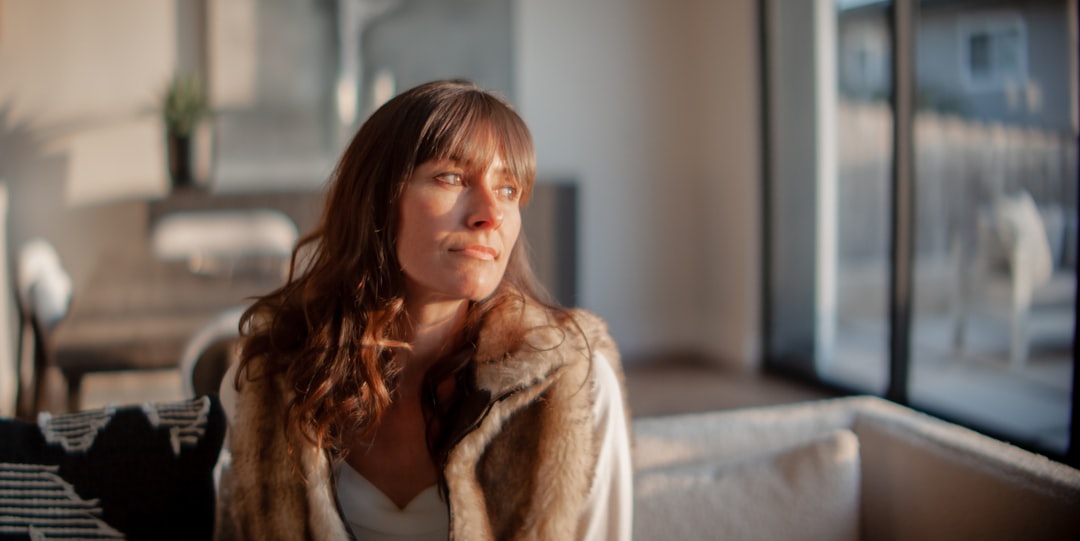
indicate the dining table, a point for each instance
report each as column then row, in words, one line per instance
column 138, row 312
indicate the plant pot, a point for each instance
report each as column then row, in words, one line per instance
column 179, row 157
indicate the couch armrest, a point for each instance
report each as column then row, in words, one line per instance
column 924, row 478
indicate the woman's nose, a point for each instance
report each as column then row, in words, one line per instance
column 484, row 211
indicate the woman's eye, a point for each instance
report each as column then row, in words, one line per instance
column 453, row 179
column 509, row 192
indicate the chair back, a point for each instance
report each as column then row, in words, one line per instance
column 209, row 353
column 44, row 295
column 214, row 241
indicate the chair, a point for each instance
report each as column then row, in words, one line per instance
column 1011, row 260
column 44, row 294
column 209, row 354
column 213, row 241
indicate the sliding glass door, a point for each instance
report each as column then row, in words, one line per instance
column 920, row 205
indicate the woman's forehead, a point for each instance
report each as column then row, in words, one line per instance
column 476, row 141
column 494, row 162
column 479, row 151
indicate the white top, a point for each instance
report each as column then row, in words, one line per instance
column 370, row 514
column 608, row 511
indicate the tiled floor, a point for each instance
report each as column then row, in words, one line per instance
column 672, row 386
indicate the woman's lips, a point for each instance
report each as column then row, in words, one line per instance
column 477, row 251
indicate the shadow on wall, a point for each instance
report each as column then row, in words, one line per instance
column 35, row 176
column 36, row 170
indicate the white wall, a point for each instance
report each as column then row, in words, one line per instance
column 653, row 107
column 79, row 87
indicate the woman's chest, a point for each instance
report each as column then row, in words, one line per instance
column 396, row 459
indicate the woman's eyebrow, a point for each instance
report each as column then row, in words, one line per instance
column 455, row 161
column 475, row 167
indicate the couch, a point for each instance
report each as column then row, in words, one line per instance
column 842, row 469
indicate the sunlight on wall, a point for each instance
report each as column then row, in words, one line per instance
column 85, row 77
column 117, row 161
column 232, row 37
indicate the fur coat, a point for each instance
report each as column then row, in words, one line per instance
column 523, row 470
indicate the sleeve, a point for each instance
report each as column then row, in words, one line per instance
column 227, row 392
column 608, row 513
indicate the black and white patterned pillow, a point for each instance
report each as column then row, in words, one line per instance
column 133, row 472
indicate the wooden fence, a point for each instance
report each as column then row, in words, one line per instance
column 961, row 166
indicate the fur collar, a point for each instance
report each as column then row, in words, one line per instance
column 506, row 362
column 522, row 472
column 526, row 470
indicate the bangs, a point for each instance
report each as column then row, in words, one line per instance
column 474, row 128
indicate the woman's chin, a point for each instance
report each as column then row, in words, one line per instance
column 480, row 294
column 481, row 290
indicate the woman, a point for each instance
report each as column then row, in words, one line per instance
column 408, row 381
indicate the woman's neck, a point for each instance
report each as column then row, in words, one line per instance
column 434, row 327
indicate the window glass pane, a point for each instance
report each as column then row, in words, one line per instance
column 830, row 158
column 980, row 55
column 273, row 65
column 291, row 81
column 996, row 221
column 863, row 122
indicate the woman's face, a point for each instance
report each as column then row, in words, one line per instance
column 459, row 223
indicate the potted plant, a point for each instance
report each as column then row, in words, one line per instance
column 184, row 105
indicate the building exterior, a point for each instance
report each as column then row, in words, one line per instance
column 1003, row 61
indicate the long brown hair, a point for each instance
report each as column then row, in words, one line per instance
column 332, row 331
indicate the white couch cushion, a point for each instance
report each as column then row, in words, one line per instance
column 809, row 491
column 731, row 435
